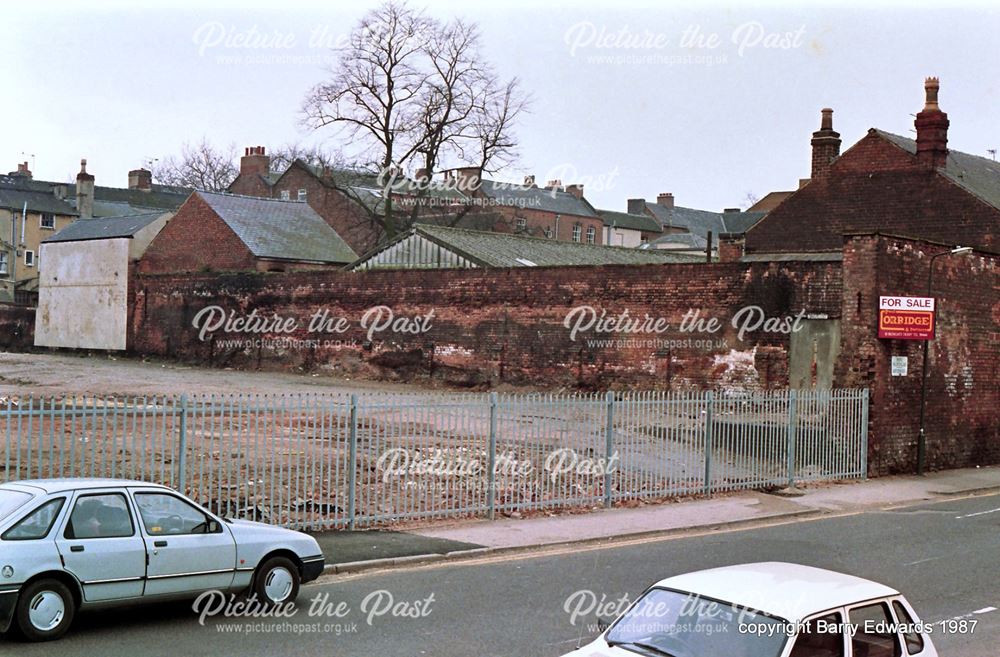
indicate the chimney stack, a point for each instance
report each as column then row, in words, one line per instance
column 636, row 206
column 423, row 175
column 932, row 128
column 553, row 185
column 825, row 146
column 84, row 192
column 529, row 181
column 22, row 170
column 575, row 190
column 140, row 179
column 254, row 162
column 467, row 179
column 665, row 199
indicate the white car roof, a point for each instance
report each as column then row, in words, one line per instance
column 787, row 590
column 78, row 483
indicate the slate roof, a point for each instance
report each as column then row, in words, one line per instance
column 272, row 228
column 14, row 194
column 489, row 249
column 160, row 196
column 700, row 222
column 688, row 240
column 537, row 198
column 977, row 175
column 630, row 221
column 100, row 228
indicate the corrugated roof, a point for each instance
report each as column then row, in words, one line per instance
column 689, row 240
column 630, row 221
column 104, row 228
column 272, row 228
column 488, row 249
column 536, row 198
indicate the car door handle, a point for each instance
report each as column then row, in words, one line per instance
column 76, row 548
column 159, row 544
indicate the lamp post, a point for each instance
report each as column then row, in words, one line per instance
column 922, row 437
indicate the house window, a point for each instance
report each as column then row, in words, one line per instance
column 48, row 220
column 548, row 233
column 522, row 224
column 3, row 262
column 591, row 234
column 284, row 195
column 302, row 194
column 576, row 232
column 29, row 258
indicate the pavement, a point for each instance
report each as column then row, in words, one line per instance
column 366, row 550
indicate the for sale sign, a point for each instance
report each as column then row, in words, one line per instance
column 906, row 318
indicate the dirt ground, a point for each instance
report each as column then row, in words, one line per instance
column 62, row 374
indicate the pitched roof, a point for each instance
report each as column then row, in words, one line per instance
column 272, row 228
column 700, row 222
column 489, row 249
column 630, row 221
column 160, row 196
column 15, row 192
column 688, row 240
column 977, row 175
column 536, row 198
column 105, row 228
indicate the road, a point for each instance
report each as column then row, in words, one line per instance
column 945, row 557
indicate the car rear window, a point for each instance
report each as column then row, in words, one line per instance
column 10, row 501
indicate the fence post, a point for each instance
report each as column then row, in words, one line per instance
column 793, row 408
column 493, row 457
column 609, row 446
column 182, row 446
column 864, row 433
column 352, row 464
column 709, row 397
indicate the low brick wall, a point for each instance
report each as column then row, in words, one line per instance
column 17, row 327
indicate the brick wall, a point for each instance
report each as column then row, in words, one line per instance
column 17, row 327
column 963, row 377
column 493, row 326
column 196, row 239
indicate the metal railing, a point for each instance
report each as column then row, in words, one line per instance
column 337, row 460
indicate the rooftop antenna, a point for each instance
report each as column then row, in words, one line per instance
column 148, row 162
column 993, row 153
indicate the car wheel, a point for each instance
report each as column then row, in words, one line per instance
column 276, row 581
column 44, row 610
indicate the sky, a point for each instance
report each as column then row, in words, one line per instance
column 710, row 102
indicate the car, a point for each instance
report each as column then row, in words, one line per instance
column 72, row 544
column 766, row 610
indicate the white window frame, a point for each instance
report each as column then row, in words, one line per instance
column 522, row 224
column 41, row 221
column 549, row 233
column 591, row 235
column 29, row 258
column 577, row 232
column 302, row 195
column 285, row 195
column 3, row 262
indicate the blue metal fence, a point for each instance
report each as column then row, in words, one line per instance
column 339, row 460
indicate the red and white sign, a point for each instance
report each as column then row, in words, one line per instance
column 906, row 318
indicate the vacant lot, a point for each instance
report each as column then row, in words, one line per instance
column 61, row 374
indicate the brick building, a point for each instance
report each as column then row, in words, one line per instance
column 890, row 184
column 225, row 232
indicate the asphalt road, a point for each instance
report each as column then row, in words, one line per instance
column 945, row 557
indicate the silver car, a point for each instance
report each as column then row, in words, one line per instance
column 68, row 544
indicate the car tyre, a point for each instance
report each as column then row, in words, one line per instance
column 45, row 610
column 276, row 581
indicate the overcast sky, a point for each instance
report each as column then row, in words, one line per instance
column 119, row 85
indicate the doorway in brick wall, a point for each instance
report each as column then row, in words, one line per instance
column 812, row 351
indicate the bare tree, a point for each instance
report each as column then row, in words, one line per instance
column 414, row 93
column 199, row 166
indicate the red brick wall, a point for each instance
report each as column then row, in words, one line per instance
column 501, row 325
column 17, row 327
column 537, row 221
column 196, row 239
column 250, row 184
column 963, row 379
column 876, row 186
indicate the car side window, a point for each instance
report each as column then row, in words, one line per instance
column 822, row 637
column 104, row 515
column 875, row 635
column 36, row 524
column 166, row 514
column 914, row 640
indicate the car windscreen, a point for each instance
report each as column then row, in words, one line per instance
column 11, row 500
column 665, row 622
